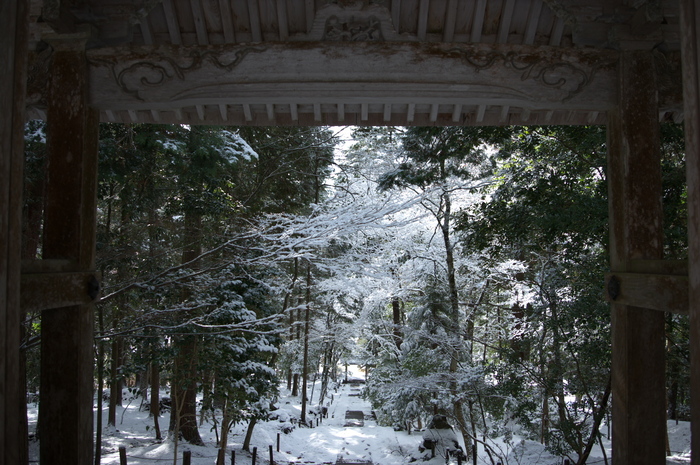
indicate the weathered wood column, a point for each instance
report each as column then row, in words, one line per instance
column 690, row 24
column 13, row 56
column 65, row 415
column 636, row 232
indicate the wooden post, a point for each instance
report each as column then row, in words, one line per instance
column 636, row 232
column 186, row 457
column 69, row 234
column 255, row 455
column 690, row 43
column 278, row 442
column 272, row 456
column 233, row 457
column 13, row 56
column 122, row 456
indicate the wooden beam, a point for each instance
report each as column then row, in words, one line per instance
column 690, row 43
column 227, row 21
column 457, row 113
column 254, row 17
column 533, row 20
column 341, row 112
column 69, row 234
column 422, row 29
column 433, row 112
column 450, row 21
column 200, row 24
column 525, row 114
column 636, row 232
column 173, row 23
column 504, row 114
column 396, row 14
column 478, row 23
column 310, row 9
column 548, row 116
column 557, row 32
column 282, row 19
column 666, row 267
column 480, row 112
column 65, row 289
column 665, row 293
column 13, row 80
column 146, row 32
column 165, row 77
column 506, row 18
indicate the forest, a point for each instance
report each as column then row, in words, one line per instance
column 462, row 267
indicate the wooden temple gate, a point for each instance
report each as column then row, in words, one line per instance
column 347, row 62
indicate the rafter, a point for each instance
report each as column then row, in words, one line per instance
column 506, row 18
column 173, row 23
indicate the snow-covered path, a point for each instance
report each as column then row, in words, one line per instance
column 333, row 442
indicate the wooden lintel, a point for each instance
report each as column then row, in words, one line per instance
column 663, row 292
column 43, row 291
column 164, row 77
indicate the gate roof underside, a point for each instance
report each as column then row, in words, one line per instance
column 345, row 62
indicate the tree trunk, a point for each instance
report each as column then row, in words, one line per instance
column 457, row 349
column 184, row 418
column 100, row 386
column 327, row 363
column 305, row 367
column 295, row 384
column 597, row 418
column 223, row 440
column 249, row 434
column 288, row 296
column 396, row 311
column 673, row 370
column 155, row 398
column 115, row 394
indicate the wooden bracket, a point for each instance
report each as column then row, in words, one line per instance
column 654, row 284
column 47, row 284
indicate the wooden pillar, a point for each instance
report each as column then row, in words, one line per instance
column 690, row 42
column 13, row 77
column 65, row 414
column 636, row 232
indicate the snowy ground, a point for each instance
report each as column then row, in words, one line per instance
column 329, row 443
